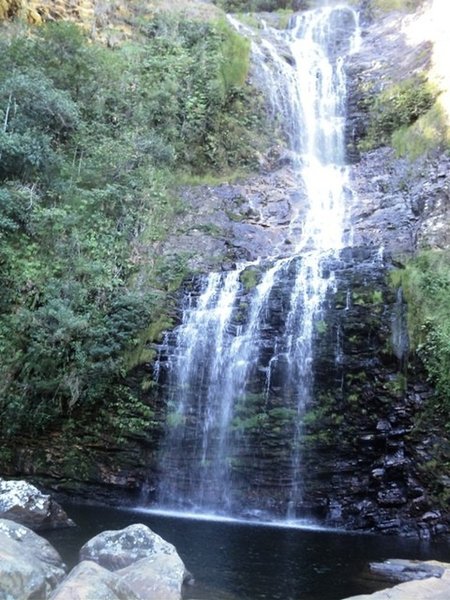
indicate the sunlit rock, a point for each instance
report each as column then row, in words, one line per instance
column 22, row 502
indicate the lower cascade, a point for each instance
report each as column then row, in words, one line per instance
column 240, row 371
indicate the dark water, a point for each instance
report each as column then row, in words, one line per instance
column 241, row 561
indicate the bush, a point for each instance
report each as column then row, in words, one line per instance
column 426, row 286
column 398, row 106
column 255, row 5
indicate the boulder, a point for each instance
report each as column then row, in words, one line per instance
column 159, row 578
column 398, row 569
column 22, row 502
column 142, row 560
column 89, row 580
column 30, row 568
column 422, row 580
column 427, row 589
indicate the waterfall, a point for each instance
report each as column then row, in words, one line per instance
column 239, row 369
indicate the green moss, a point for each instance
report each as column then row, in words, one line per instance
column 377, row 297
column 397, row 384
column 321, row 327
column 250, row 278
column 175, row 419
column 254, row 422
column 283, row 414
column 284, row 15
column 367, row 297
column 141, row 353
column 236, row 217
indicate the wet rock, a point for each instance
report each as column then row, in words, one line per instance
column 22, row 502
column 392, row 496
column 407, row 570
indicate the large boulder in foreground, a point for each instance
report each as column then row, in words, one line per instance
column 159, row 578
column 30, row 568
column 22, row 502
column 148, row 565
column 88, row 580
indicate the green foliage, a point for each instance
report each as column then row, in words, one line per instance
column 250, row 278
column 398, row 106
column 92, row 141
column 426, row 286
column 391, row 5
column 254, row 5
column 429, row 132
column 235, row 55
column 321, row 326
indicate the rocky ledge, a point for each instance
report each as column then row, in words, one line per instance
column 428, row 580
column 25, row 504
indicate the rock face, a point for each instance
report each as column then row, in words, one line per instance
column 29, row 566
column 358, row 468
column 25, row 504
column 401, row 204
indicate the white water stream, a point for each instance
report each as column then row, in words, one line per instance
column 220, row 350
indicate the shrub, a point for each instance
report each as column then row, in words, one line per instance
column 426, row 286
column 398, row 106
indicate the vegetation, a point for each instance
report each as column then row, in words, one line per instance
column 92, row 140
column 428, row 133
column 391, row 5
column 396, row 109
column 256, row 5
column 426, row 286
column 9, row 8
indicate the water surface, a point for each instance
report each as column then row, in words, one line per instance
column 244, row 561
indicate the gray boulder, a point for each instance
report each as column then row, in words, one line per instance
column 399, row 569
column 90, row 581
column 30, row 568
column 22, row 502
column 141, row 559
column 435, row 587
column 159, row 578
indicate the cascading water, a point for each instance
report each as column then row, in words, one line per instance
column 239, row 368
